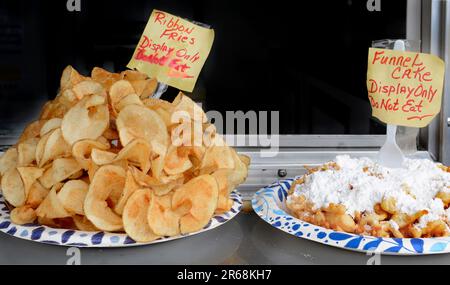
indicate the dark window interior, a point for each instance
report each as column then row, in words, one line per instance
column 305, row 59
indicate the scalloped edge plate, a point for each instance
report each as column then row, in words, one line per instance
column 269, row 204
column 65, row 237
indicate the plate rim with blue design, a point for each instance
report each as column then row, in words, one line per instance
column 269, row 204
column 76, row 238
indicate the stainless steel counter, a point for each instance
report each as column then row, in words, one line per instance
column 244, row 240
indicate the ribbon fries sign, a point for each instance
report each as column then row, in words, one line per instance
column 405, row 88
column 173, row 50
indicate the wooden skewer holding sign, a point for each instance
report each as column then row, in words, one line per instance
column 390, row 155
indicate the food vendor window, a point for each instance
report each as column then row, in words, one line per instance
column 306, row 60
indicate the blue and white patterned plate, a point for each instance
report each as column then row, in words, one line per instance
column 44, row 234
column 269, row 204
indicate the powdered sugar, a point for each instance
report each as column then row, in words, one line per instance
column 360, row 183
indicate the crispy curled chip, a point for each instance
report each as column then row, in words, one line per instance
column 161, row 218
column 82, row 150
column 139, row 122
column 240, row 171
column 131, row 99
column 50, row 125
column 55, row 146
column 88, row 119
column 23, row 215
column 104, row 77
column 51, row 207
column 130, row 187
column 144, row 88
column 224, row 203
column 160, row 186
column 102, row 157
column 61, row 169
column 40, row 147
column 31, row 131
column 67, row 98
column 83, row 224
column 107, row 179
column 36, row 195
column 72, row 196
column 70, row 77
column 133, row 75
column 217, row 156
column 53, row 109
column 185, row 104
column 12, row 188
column 29, row 175
column 245, row 159
column 135, row 216
column 156, row 103
column 196, row 202
column 119, row 90
column 88, row 87
column 176, row 161
column 8, row 160
column 137, row 153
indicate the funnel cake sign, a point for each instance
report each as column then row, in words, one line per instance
column 173, row 50
column 405, row 88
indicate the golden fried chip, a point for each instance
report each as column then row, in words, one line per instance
column 119, row 90
column 139, row 122
column 130, row 186
column 104, row 77
column 107, row 179
column 31, row 131
column 161, row 219
column 72, row 196
column 67, row 98
column 51, row 207
column 176, row 162
column 88, row 87
column 135, row 216
column 88, row 119
column 40, row 147
column 53, row 109
column 131, row 99
column 224, row 203
column 137, row 153
column 8, row 160
column 23, row 215
column 29, row 175
column 160, row 186
column 12, row 188
column 245, row 159
column 82, row 150
column 50, row 125
column 156, row 103
column 36, row 195
column 83, row 224
column 61, row 169
column 144, row 88
column 240, row 171
column 133, row 75
column 102, row 157
column 70, row 77
column 185, row 104
column 55, row 146
column 217, row 156
column 196, row 201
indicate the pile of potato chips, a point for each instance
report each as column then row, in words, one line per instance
column 102, row 156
